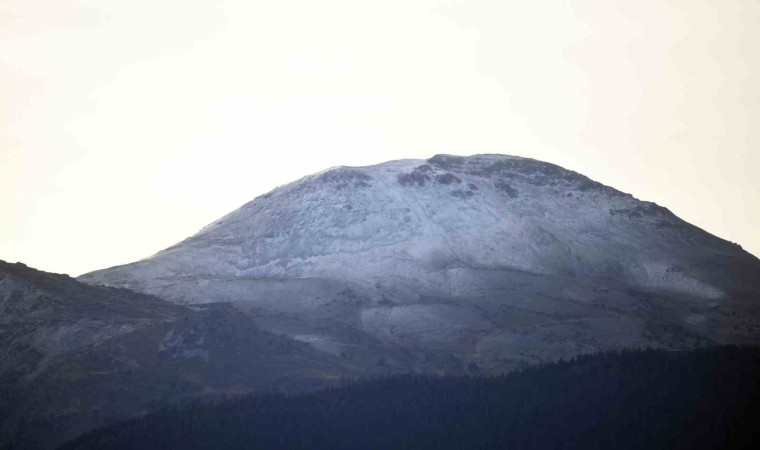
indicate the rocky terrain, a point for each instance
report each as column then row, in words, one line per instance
column 481, row 263
column 74, row 356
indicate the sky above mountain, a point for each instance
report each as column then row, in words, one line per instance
column 129, row 125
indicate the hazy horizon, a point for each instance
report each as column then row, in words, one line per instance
column 130, row 125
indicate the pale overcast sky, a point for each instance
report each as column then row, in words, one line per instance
column 127, row 125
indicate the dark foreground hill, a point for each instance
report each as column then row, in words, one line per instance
column 651, row 399
column 74, row 356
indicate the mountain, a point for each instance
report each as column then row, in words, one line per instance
column 74, row 356
column 483, row 263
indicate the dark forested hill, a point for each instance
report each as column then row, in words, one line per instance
column 636, row 400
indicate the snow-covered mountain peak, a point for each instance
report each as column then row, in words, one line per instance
column 449, row 250
column 418, row 220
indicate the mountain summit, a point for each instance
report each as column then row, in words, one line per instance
column 485, row 263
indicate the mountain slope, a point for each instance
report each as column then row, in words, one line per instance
column 74, row 356
column 485, row 262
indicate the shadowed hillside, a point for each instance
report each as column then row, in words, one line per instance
column 74, row 356
column 631, row 400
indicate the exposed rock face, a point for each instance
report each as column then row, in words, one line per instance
column 484, row 262
column 74, row 356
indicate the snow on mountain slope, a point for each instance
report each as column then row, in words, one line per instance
column 489, row 259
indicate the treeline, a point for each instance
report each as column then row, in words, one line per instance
column 648, row 399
